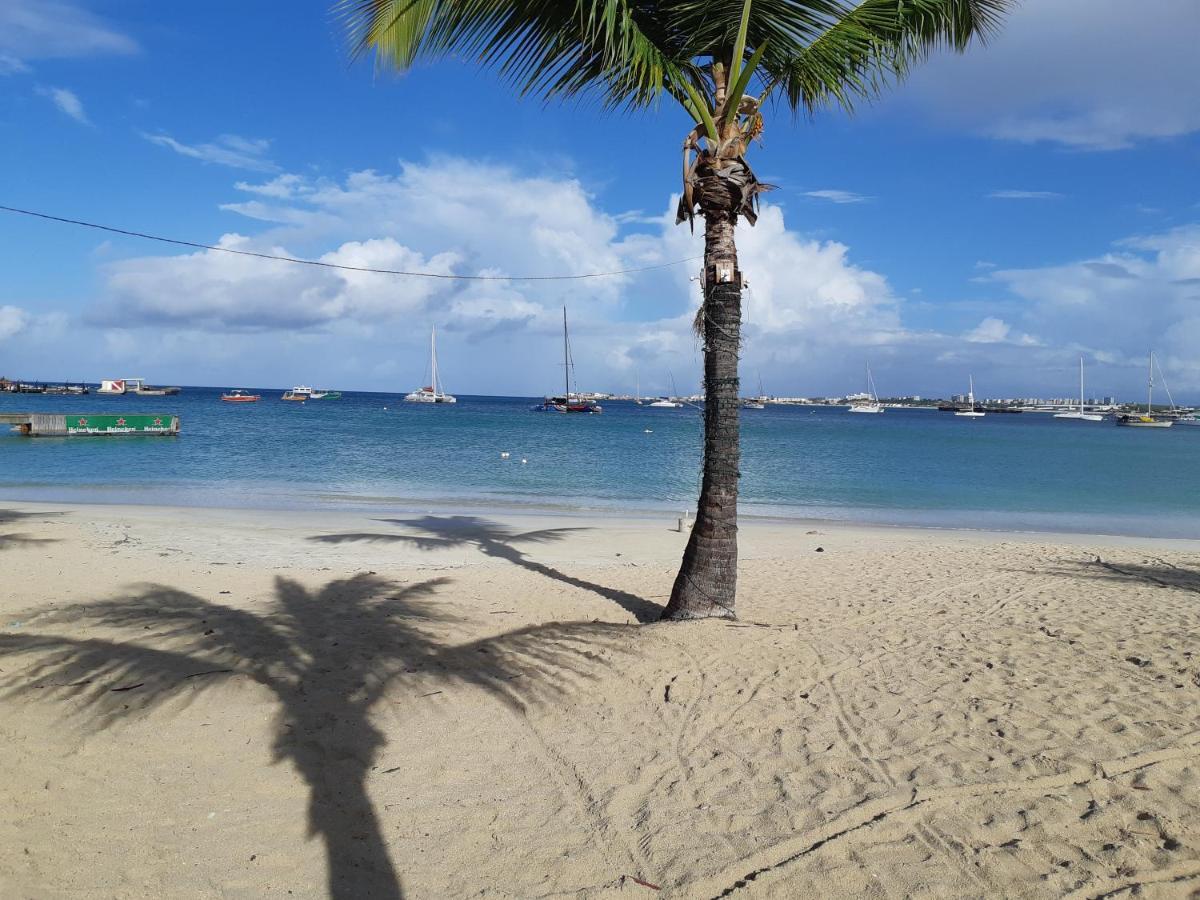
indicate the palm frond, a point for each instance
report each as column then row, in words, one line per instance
column 631, row 52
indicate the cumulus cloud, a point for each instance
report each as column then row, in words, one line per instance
column 455, row 216
column 225, row 291
column 996, row 331
column 54, row 29
column 813, row 314
column 836, row 196
column 68, row 103
column 1049, row 76
column 13, row 320
column 227, row 150
column 1143, row 294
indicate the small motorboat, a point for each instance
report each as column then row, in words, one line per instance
column 240, row 397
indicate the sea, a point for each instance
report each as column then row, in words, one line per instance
column 907, row 467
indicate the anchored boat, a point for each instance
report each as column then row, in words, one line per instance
column 432, row 393
column 871, row 403
column 240, row 397
column 1148, row 419
column 971, row 412
column 569, row 402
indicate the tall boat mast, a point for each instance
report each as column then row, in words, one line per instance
column 566, row 359
column 1081, row 385
column 433, row 358
column 1150, row 386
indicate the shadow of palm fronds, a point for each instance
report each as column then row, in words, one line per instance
column 327, row 656
column 1155, row 571
column 14, row 539
column 497, row 541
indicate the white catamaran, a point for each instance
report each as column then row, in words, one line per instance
column 871, row 404
column 970, row 412
column 431, row 393
column 1080, row 414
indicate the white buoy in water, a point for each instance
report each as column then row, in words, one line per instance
column 504, row 454
column 649, row 431
column 523, row 460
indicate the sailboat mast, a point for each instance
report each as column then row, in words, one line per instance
column 1150, row 386
column 566, row 360
column 1081, row 386
column 433, row 358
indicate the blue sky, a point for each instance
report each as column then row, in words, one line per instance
column 1000, row 214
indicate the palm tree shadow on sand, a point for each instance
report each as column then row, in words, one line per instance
column 497, row 541
column 19, row 539
column 328, row 656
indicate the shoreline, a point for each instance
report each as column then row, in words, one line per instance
column 603, row 518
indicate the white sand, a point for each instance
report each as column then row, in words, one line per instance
column 468, row 708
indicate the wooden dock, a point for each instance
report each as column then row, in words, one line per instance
column 60, row 425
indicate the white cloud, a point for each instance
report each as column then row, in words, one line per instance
column 13, row 320
column 10, row 65
column 282, row 187
column 455, row 216
column 227, row 150
column 813, row 314
column 230, row 292
column 1085, row 74
column 1144, row 294
column 54, row 29
column 1024, row 195
column 836, row 196
column 996, row 331
column 68, row 103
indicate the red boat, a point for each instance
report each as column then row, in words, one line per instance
column 240, row 397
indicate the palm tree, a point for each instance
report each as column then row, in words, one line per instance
column 706, row 55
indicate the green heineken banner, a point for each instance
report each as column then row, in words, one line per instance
column 131, row 424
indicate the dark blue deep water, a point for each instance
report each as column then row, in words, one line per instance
column 919, row 467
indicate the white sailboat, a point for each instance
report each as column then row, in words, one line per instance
column 871, row 404
column 431, row 393
column 1080, row 414
column 668, row 402
column 1136, row 420
column 759, row 402
column 570, row 401
column 970, row 412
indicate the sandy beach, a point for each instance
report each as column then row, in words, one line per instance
column 204, row 703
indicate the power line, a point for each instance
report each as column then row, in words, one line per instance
column 328, row 265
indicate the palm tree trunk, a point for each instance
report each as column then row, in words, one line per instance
column 707, row 581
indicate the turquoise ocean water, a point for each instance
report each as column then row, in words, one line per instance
column 905, row 467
